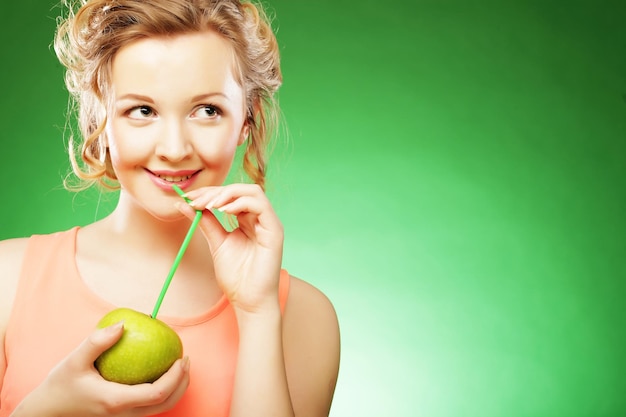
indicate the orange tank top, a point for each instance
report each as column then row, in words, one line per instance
column 54, row 311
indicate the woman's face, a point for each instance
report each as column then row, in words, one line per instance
column 176, row 117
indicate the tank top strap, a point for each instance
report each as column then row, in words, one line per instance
column 283, row 289
column 43, row 255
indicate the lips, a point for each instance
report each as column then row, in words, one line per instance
column 172, row 178
column 165, row 179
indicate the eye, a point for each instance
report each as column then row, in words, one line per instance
column 206, row 112
column 141, row 112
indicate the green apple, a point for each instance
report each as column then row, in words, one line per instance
column 146, row 350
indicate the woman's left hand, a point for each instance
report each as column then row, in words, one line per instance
column 247, row 260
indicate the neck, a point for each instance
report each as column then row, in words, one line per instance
column 134, row 249
column 135, row 226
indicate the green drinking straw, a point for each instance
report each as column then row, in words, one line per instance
column 181, row 252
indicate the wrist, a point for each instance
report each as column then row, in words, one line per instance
column 33, row 405
column 268, row 315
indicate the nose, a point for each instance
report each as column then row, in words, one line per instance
column 174, row 144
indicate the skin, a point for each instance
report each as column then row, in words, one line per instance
column 176, row 106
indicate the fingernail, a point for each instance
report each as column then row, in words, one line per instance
column 114, row 328
column 185, row 364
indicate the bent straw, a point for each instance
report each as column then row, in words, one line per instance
column 181, row 252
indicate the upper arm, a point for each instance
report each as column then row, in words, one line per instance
column 311, row 348
column 11, row 254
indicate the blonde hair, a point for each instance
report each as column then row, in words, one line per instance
column 88, row 38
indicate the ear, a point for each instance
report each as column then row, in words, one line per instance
column 245, row 131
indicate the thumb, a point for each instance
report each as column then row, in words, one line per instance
column 210, row 226
column 98, row 342
column 212, row 230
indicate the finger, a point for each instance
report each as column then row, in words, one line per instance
column 95, row 344
column 232, row 192
column 256, row 214
column 186, row 209
column 152, row 396
column 180, row 382
column 212, row 230
column 244, row 204
column 210, row 226
column 201, row 197
column 246, row 198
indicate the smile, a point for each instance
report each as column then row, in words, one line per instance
column 171, row 178
column 165, row 178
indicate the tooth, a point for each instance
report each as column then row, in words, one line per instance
column 174, row 179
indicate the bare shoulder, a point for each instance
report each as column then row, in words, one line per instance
column 312, row 348
column 11, row 255
column 11, row 248
column 305, row 300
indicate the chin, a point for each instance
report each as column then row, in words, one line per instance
column 168, row 216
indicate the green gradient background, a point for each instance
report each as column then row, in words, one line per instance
column 453, row 178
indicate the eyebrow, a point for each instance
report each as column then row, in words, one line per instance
column 147, row 99
column 138, row 97
column 201, row 97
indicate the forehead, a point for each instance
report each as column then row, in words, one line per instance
column 183, row 64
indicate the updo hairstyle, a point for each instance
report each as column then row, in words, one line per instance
column 88, row 38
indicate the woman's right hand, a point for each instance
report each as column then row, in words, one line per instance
column 75, row 388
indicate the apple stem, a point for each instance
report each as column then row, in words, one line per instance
column 179, row 256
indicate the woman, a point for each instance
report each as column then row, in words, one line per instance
column 166, row 91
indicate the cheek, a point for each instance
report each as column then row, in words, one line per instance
column 216, row 147
column 217, row 156
column 123, row 151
